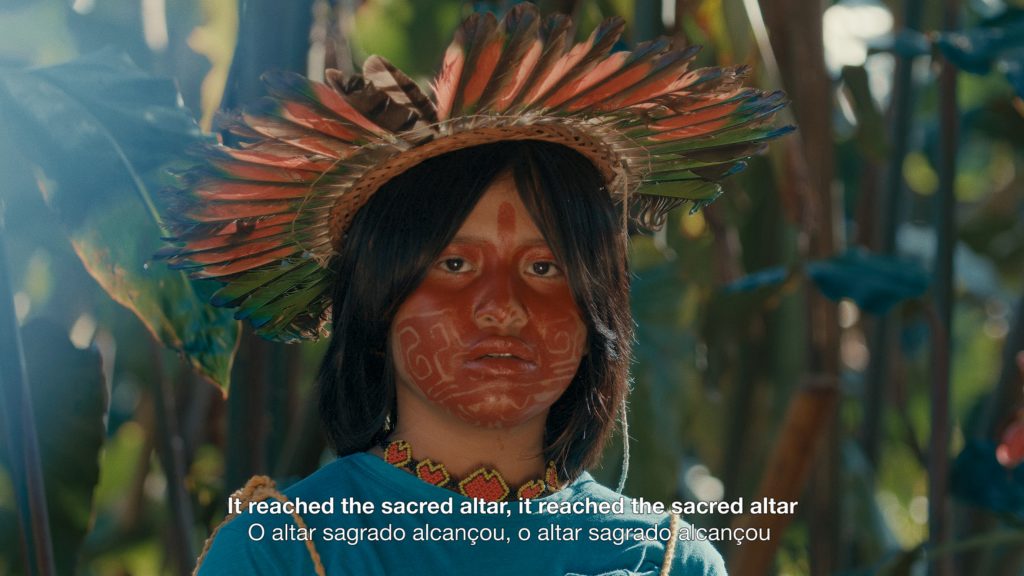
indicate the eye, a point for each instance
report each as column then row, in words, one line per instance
column 545, row 269
column 453, row 265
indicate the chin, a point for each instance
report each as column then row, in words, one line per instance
column 500, row 411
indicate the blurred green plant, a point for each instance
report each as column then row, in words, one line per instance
column 875, row 283
column 70, row 400
column 995, row 44
column 103, row 135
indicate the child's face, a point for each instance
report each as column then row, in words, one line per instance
column 492, row 335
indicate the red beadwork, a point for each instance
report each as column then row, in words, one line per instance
column 432, row 473
column 398, row 453
column 485, row 483
column 532, row 489
column 551, row 475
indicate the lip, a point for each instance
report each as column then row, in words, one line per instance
column 487, row 348
column 496, row 367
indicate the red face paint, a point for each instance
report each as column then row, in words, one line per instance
column 492, row 335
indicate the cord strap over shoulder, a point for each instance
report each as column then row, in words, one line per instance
column 258, row 489
column 670, row 546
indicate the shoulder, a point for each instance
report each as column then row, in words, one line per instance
column 691, row 555
column 329, row 478
column 245, row 545
column 260, row 542
column 255, row 542
column 359, row 476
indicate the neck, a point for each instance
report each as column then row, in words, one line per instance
column 516, row 452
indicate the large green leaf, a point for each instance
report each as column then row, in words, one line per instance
column 997, row 43
column 69, row 402
column 104, row 134
column 875, row 282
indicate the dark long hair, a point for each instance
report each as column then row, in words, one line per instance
column 400, row 233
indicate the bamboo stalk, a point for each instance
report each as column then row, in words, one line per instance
column 883, row 331
column 939, row 527
column 247, row 414
column 22, row 441
column 902, row 117
column 171, row 450
column 304, row 442
column 789, row 467
column 795, row 32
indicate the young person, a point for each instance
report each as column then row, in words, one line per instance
column 469, row 254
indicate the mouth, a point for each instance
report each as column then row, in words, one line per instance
column 502, row 356
column 498, row 348
column 499, row 355
column 496, row 366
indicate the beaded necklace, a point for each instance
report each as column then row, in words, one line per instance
column 484, row 483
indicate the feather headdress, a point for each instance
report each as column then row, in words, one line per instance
column 267, row 216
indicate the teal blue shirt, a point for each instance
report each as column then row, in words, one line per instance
column 589, row 543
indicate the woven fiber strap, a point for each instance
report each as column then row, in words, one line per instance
column 670, row 546
column 258, row 489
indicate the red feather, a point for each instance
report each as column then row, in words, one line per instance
column 579, row 60
column 305, row 116
column 663, row 77
column 482, row 71
column 519, row 30
column 222, row 211
column 233, row 190
column 194, row 233
column 599, row 74
column 244, row 171
column 232, row 252
column 554, row 37
column 694, row 131
column 446, row 86
column 291, row 87
column 246, row 263
column 294, row 161
column 225, row 240
column 617, row 72
column 697, row 117
column 522, row 73
column 193, row 255
column 298, row 136
column 483, row 49
column 699, row 109
column 340, row 106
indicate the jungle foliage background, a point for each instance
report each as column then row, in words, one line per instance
column 840, row 328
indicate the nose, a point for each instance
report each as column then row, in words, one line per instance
column 500, row 306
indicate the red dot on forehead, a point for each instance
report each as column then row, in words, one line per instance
column 506, row 221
